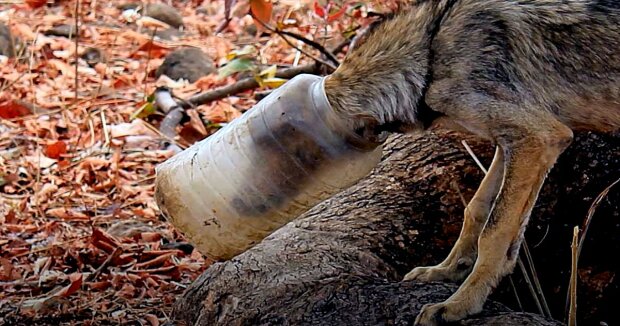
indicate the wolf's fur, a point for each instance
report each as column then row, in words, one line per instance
column 522, row 73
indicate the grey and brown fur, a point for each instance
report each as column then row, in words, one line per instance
column 522, row 73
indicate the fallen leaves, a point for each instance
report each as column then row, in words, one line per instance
column 47, row 302
column 261, row 11
column 56, row 149
column 34, row 4
column 66, row 214
column 10, row 109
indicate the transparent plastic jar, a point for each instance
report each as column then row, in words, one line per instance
column 279, row 159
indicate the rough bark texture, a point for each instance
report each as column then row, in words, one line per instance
column 341, row 263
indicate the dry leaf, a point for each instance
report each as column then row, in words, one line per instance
column 56, row 150
column 35, row 3
column 152, row 319
column 66, row 214
column 9, row 109
column 261, row 10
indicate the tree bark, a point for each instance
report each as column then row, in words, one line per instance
column 342, row 262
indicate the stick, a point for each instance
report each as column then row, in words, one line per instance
column 77, row 42
column 113, row 255
column 572, row 312
column 330, row 56
column 530, row 286
column 538, row 287
column 174, row 114
column 586, row 226
column 247, row 84
column 591, row 211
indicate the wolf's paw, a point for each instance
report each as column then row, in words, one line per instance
column 439, row 313
column 451, row 273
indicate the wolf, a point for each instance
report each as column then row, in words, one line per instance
column 524, row 74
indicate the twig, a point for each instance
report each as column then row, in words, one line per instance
column 222, row 25
column 341, row 46
column 77, row 42
column 148, row 60
column 572, row 312
column 30, row 64
column 55, row 245
column 174, row 112
column 473, row 156
column 38, row 185
column 539, row 291
column 514, row 289
column 11, row 83
column 117, row 251
column 164, row 100
column 529, row 285
column 586, row 227
column 325, row 63
column 591, row 211
column 330, row 56
column 172, row 119
column 106, row 132
column 227, row 17
column 175, row 146
column 245, row 85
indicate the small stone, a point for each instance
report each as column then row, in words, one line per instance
column 251, row 29
column 7, row 42
column 164, row 13
column 207, row 10
column 187, row 63
column 64, row 30
column 183, row 246
column 128, row 5
column 93, row 56
column 170, row 34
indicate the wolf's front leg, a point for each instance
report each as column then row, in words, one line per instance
column 461, row 259
column 527, row 161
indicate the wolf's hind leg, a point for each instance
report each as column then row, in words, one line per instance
column 461, row 259
column 531, row 146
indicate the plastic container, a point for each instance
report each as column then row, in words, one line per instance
column 279, row 159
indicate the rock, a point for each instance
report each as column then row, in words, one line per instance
column 164, row 13
column 169, row 34
column 64, row 30
column 92, row 56
column 207, row 10
column 128, row 5
column 187, row 63
column 251, row 29
column 7, row 43
column 183, row 246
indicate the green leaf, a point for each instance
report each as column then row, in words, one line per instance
column 144, row 111
column 236, row 65
column 248, row 51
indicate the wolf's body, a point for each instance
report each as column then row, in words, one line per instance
column 522, row 73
